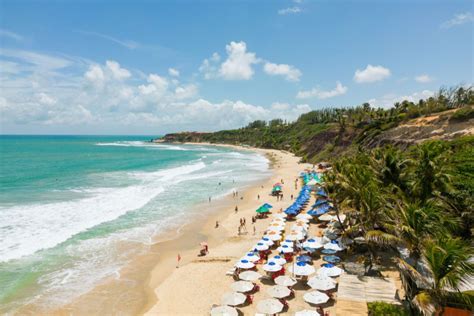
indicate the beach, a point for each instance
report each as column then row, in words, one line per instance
column 147, row 283
column 199, row 282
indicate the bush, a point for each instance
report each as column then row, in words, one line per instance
column 386, row 309
column 463, row 114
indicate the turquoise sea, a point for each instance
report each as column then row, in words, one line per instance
column 68, row 202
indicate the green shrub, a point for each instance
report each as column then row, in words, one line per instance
column 386, row 309
column 463, row 114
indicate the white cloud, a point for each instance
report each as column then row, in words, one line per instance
column 238, row 65
column 45, row 99
column 125, row 43
column 423, row 78
column 173, row 72
column 12, row 35
column 389, row 100
column 289, row 72
column 321, row 94
column 42, row 62
column 118, row 72
column 95, row 75
column 371, row 74
column 209, row 67
column 458, row 19
column 278, row 106
column 186, row 92
column 291, row 10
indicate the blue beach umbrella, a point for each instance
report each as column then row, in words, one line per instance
column 332, row 259
column 328, row 251
column 303, row 258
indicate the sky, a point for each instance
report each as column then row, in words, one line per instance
column 153, row 67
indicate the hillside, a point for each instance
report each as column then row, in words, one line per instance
column 327, row 133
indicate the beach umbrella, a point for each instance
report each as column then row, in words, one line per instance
column 330, row 270
column 328, row 251
column 242, row 286
column 244, row 264
column 250, row 276
column 307, row 312
column 275, row 228
column 312, row 243
column 287, row 242
column 267, row 205
column 320, row 202
column 332, row 246
column 233, row 298
column 278, row 260
column 261, row 246
column 252, row 257
column 279, row 291
column 325, row 218
column 322, row 283
column 273, row 237
column 317, row 211
column 271, row 267
column 301, row 268
column 295, row 236
column 285, row 249
column 304, row 216
column 272, row 232
column 266, row 241
column 262, row 209
column 285, row 280
column 332, row 259
column 304, row 258
column 224, row 310
column 322, row 193
column 316, row 297
column 269, row 306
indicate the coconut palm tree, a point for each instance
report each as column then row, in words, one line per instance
column 446, row 266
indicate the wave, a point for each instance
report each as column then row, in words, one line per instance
column 24, row 230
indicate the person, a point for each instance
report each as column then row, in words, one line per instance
column 236, row 209
column 239, row 230
column 281, row 197
column 292, row 197
column 209, row 199
column 258, row 196
column 243, row 221
column 217, row 224
column 254, row 230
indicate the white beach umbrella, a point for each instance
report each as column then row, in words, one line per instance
column 307, row 312
column 330, row 271
column 266, row 241
column 316, row 297
column 312, row 243
column 242, row 286
column 325, row 217
column 224, row 310
column 276, row 228
column 250, row 276
column 244, row 264
column 278, row 260
column 301, row 268
column 251, row 256
column 269, row 306
column 261, row 246
column 295, row 236
column 285, row 249
column 271, row 267
column 273, row 232
column 233, row 298
column 304, row 216
column 279, row 291
column 332, row 246
column 273, row 237
column 285, row 280
column 322, row 283
column 289, row 243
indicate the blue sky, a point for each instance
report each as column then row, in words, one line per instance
column 150, row 67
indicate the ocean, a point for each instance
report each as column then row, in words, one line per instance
column 69, row 203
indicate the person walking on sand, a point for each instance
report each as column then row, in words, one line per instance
column 209, row 199
column 254, row 230
column 236, row 209
column 258, row 196
column 217, row 224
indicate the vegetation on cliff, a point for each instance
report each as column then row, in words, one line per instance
column 329, row 132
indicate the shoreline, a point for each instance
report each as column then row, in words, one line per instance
column 224, row 243
column 149, row 271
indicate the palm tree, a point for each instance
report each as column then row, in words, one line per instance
column 447, row 266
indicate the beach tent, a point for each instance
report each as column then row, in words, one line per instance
column 262, row 209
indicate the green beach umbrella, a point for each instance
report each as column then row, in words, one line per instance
column 262, row 209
